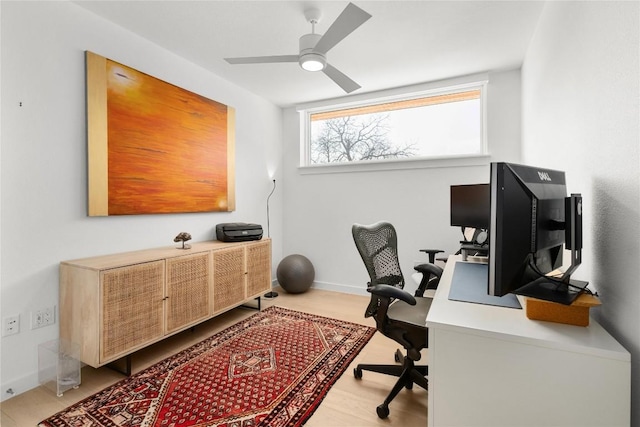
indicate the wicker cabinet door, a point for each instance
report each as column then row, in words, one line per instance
column 132, row 312
column 188, row 283
column 258, row 268
column 228, row 277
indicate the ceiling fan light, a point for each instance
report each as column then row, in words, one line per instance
column 313, row 62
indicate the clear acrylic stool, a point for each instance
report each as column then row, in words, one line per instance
column 59, row 365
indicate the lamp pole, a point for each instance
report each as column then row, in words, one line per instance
column 272, row 293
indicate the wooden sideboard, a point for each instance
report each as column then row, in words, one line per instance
column 116, row 304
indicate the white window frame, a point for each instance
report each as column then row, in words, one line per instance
column 475, row 82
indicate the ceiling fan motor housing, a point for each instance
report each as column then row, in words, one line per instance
column 310, row 60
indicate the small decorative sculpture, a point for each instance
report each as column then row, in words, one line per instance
column 183, row 237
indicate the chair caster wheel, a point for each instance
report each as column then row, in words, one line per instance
column 398, row 357
column 357, row 373
column 383, row 411
column 409, row 386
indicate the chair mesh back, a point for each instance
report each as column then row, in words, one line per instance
column 378, row 247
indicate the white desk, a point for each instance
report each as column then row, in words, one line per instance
column 491, row 366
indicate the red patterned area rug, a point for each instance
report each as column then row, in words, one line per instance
column 272, row 369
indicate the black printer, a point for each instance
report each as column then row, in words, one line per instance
column 238, row 232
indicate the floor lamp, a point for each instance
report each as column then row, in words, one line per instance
column 272, row 293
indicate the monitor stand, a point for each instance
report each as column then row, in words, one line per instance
column 471, row 249
column 554, row 291
column 469, row 284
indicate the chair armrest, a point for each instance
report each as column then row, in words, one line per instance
column 429, row 269
column 432, row 254
column 387, row 291
column 431, row 274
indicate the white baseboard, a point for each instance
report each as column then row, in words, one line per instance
column 18, row 386
column 337, row 287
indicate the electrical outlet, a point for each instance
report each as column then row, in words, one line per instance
column 10, row 325
column 43, row 317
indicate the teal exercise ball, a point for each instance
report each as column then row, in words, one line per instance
column 295, row 274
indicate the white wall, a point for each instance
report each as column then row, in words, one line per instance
column 44, row 168
column 320, row 208
column 580, row 114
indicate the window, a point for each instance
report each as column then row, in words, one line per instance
column 427, row 125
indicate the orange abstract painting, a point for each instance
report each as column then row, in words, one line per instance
column 162, row 149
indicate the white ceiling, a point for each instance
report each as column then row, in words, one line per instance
column 404, row 43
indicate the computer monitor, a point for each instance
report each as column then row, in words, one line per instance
column 470, row 205
column 528, row 227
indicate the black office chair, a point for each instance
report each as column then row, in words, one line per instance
column 398, row 315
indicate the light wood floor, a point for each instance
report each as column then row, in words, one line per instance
column 350, row 402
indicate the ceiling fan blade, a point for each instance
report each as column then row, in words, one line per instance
column 350, row 19
column 340, row 79
column 262, row 59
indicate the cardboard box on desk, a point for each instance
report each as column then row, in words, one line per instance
column 575, row 314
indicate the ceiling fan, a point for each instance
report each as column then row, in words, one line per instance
column 314, row 47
